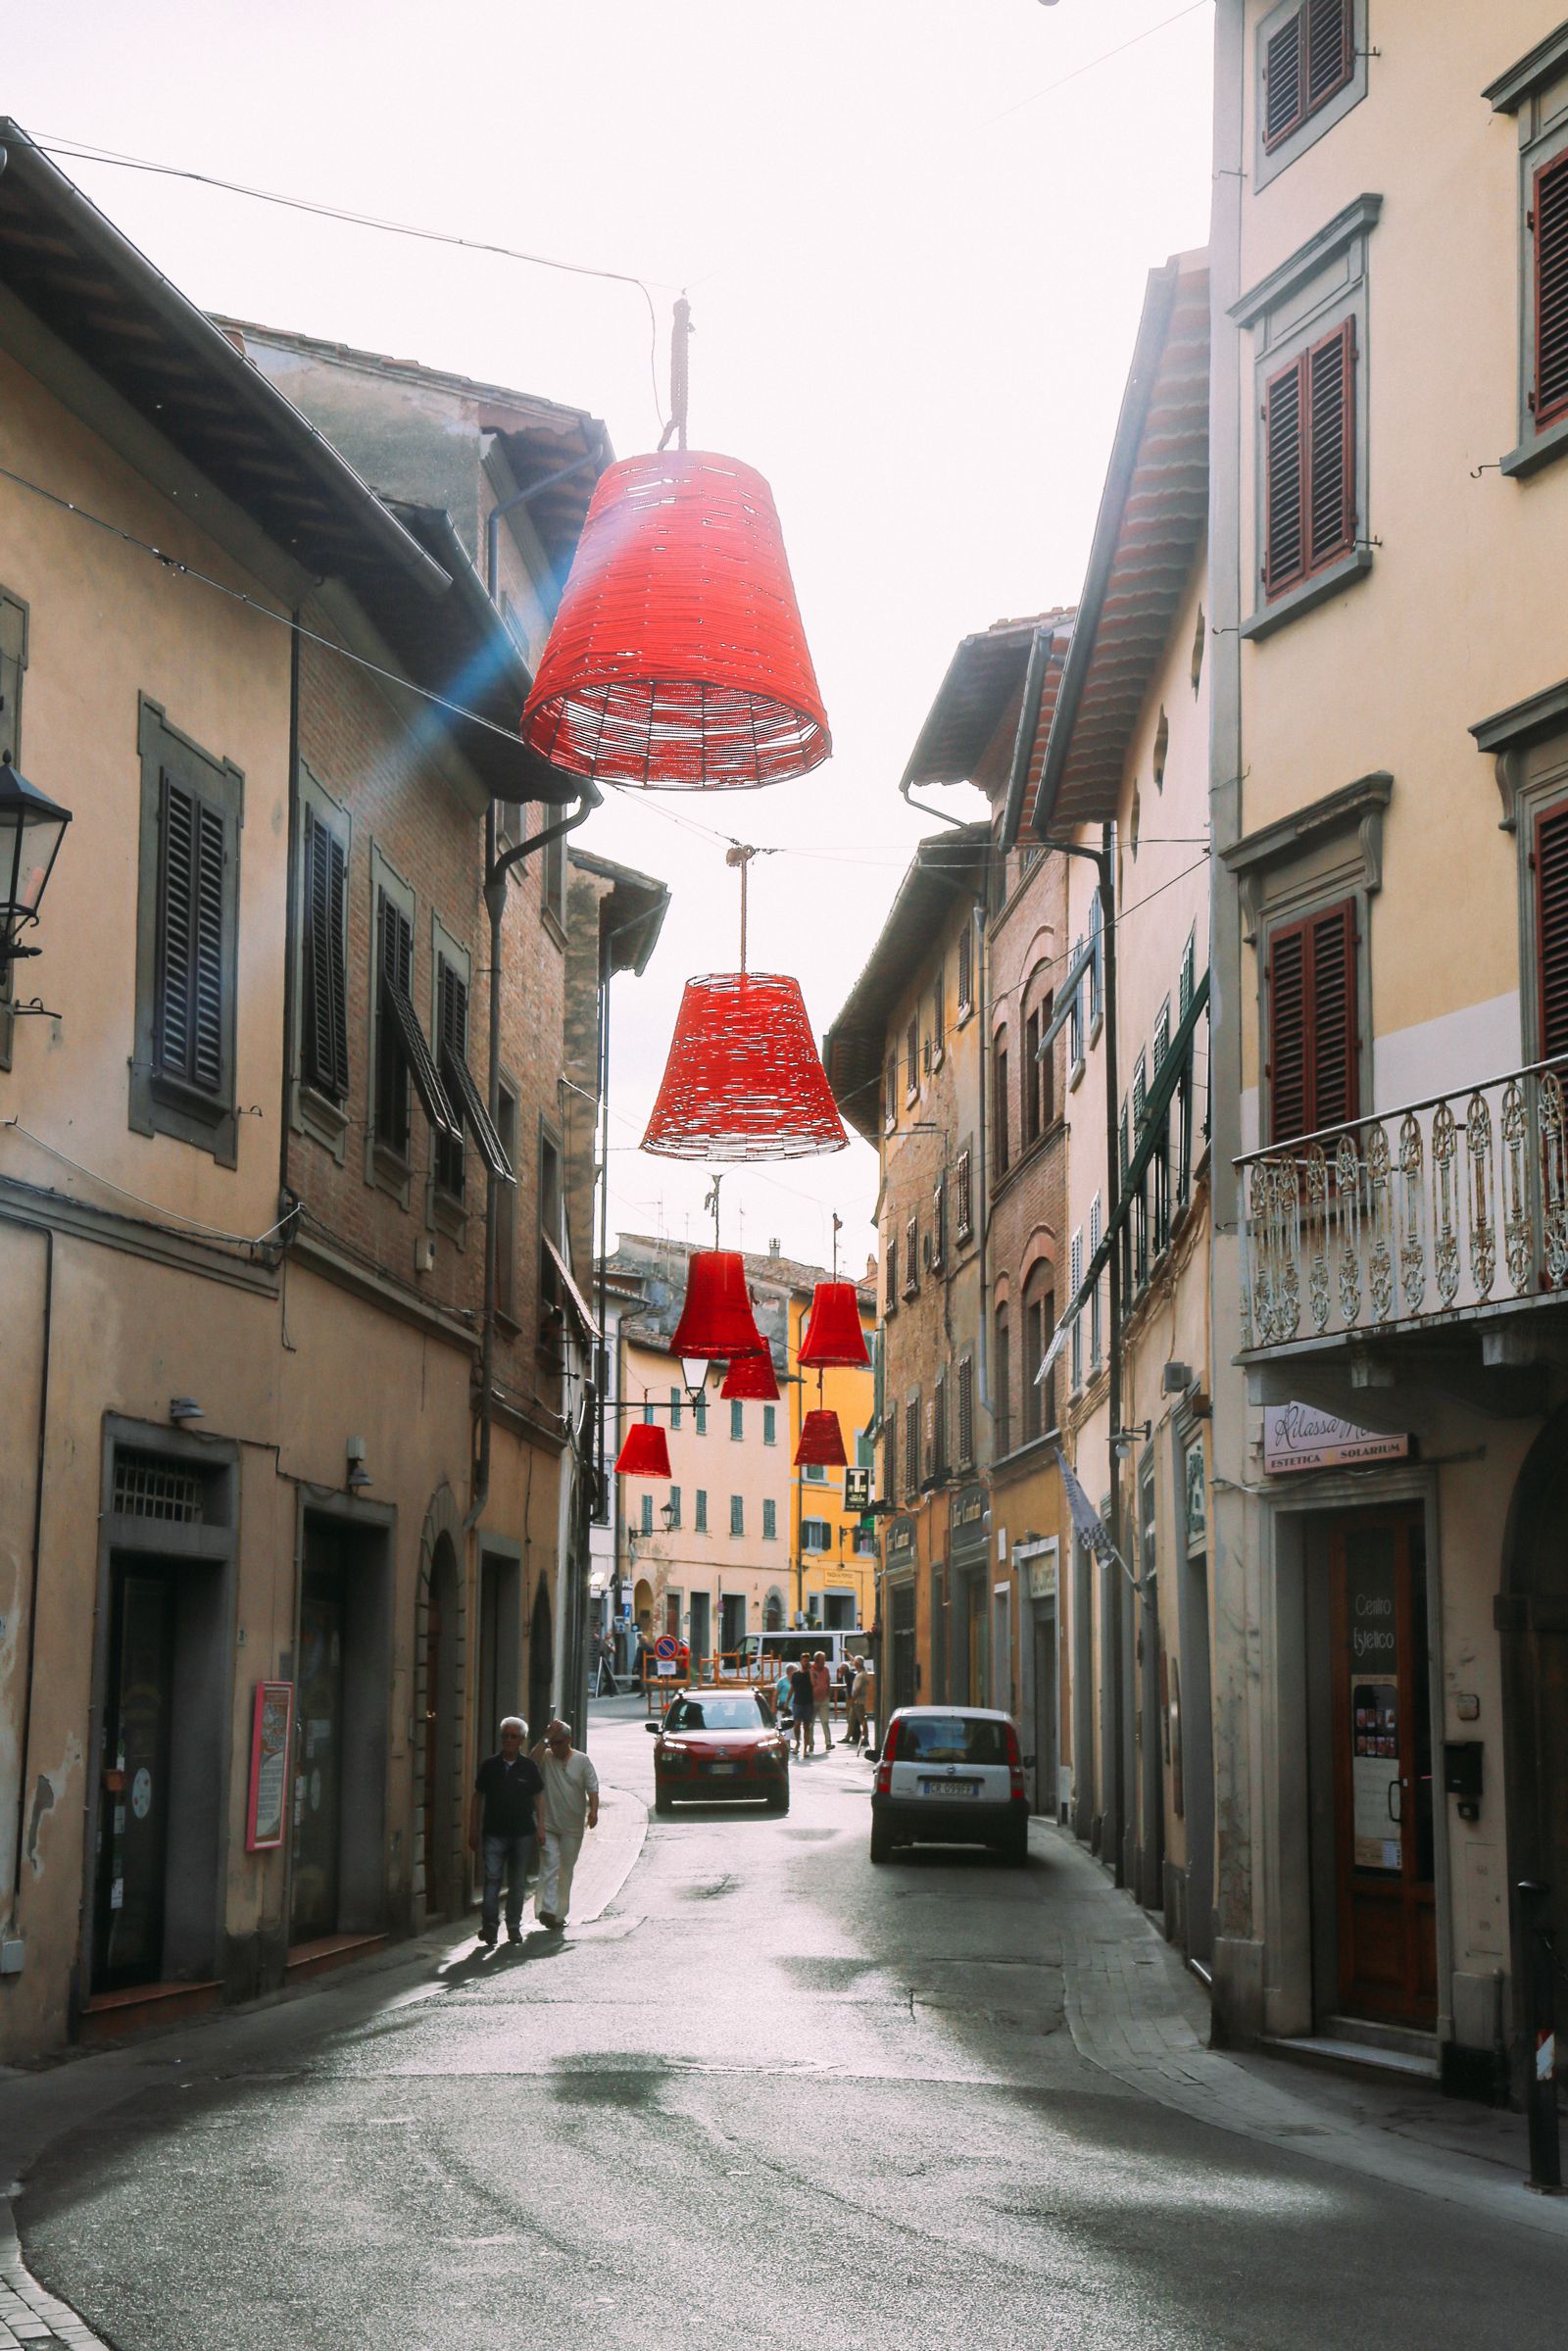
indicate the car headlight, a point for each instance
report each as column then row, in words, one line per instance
column 672, row 1747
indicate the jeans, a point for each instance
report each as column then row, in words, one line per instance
column 512, row 1858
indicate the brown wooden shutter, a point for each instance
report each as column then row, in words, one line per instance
column 189, row 1011
column 1313, row 1038
column 1551, row 862
column 1284, row 77
column 1549, row 223
column 1332, row 1065
column 1285, row 480
column 1330, row 50
column 325, row 1025
column 1287, row 1034
column 1331, row 446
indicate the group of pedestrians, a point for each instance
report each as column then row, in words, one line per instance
column 530, row 1812
column 805, row 1698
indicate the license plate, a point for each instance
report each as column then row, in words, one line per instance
column 949, row 1787
column 727, row 1770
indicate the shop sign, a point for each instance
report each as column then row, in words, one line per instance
column 900, row 1540
column 1037, row 1560
column 969, row 1506
column 1299, row 1437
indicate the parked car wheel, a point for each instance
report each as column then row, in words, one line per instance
column 881, row 1842
column 779, row 1801
column 663, row 1801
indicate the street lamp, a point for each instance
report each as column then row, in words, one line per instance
column 668, row 1512
column 31, row 829
column 693, row 1372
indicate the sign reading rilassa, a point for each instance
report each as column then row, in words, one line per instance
column 1299, row 1437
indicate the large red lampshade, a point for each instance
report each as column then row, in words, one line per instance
column 822, row 1443
column 716, row 1318
column 750, row 1379
column 742, row 1080
column 646, row 1452
column 833, row 1333
column 677, row 660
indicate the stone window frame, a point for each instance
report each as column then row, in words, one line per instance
column 444, row 1211
column 13, row 617
column 1323, row 283
column 1535, row 91
column 310, row 1112
column 385, row 1168
column 1303, row 865
column 161, row 1105
column 1269, row 163
column 1530, row 746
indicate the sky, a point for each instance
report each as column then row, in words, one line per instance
column 915, row 235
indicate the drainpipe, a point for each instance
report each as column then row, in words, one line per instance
column 497, row 869
column 1114, row 1698
column 24, row 1728
column 926, row 807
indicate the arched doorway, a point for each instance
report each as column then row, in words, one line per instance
column 441, row 1793
column 541, row 1663
column 774, row 1610
column 1532, row 1614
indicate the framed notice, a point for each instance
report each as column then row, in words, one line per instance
column 271, row 1728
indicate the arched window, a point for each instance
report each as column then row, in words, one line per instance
column 1039, row 1325
column 1037, row 1078
column 1002, row 1386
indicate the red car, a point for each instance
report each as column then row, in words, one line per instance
column 720, row 1746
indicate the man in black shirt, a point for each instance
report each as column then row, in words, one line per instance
column 505, row 1819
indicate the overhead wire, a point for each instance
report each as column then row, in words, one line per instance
column 83, row 151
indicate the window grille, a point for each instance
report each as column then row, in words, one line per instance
column 148, row 1486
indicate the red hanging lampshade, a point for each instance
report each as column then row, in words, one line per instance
column 750, row 1379
column 822, row 1443
column 833, row 1333
column 677, row 660
column 743, row 1080
column 716, row 1318
column 646, row 1452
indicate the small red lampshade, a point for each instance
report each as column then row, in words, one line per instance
column 750, row 1379
column 646, row 1452
column 716, row 1318
column 833, row 1333
column 742, row 1080
column 677, row 660
column 822, row 1443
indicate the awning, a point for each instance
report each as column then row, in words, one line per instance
column 585, row 1312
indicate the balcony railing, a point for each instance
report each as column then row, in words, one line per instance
column 1446, row 1209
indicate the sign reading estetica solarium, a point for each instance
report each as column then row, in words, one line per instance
column 1297, row 1437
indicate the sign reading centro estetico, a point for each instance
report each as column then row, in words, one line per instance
column 1297, row 1437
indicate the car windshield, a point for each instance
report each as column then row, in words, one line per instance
column 714, row 1714
column 950, row 1738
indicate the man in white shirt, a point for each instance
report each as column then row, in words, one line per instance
column 569, row 1805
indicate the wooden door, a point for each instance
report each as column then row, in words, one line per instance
column 319, row 1742
column 1386, row 1929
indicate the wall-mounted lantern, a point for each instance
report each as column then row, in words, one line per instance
column 31, row 829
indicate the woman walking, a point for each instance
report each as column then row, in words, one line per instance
column 802, row 1705
column 822, row 1697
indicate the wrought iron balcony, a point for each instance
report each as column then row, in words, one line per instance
column 1446, row 1210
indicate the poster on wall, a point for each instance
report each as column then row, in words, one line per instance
column 1300, row 1436
column 1375, row 1773
column 270, row 1744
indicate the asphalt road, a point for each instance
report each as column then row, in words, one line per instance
column 772, row 2096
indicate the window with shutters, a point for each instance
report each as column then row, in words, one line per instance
column 1311, row 1067
column 1002, row 1384
column 1032, row 1071
column 966, row 971
column 1000, row 1146
column 1075, row 1025
column 912, row 1256
column 700, row 1525
column 1311, row 69
column 737, row 1514
column 938, row 1016
column 1075, row 1276
column 938, row 1465
column 187, row 942
column 13, row 672
column 1310, row 462
column 769, row 1518
column 737, row 1422
column 938, row 1224
column 770, row 1424
column 673, row 1507
column 911, row 1444
column 507, row 1210
column 1537, row 93
column 890, row 1094
column 323, row 950
column 911, row 1061
column 646, row 1523
column 890, row 1291
column 1038, row 1323
column 470, row 1111
column 1097, row 968
column 552, row 1232
column 452, row 1046
column 964, row 1204
column 890, row 1458
column 1548, row 901
column 1097, row 1340
column 967, row 1412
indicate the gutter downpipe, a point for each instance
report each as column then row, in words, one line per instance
column 24, row 1728
column 1113, row 1692
column 492, row 527
column 497, row 870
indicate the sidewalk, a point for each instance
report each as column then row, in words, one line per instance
column 1136, row 2012
column 37, row 2106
